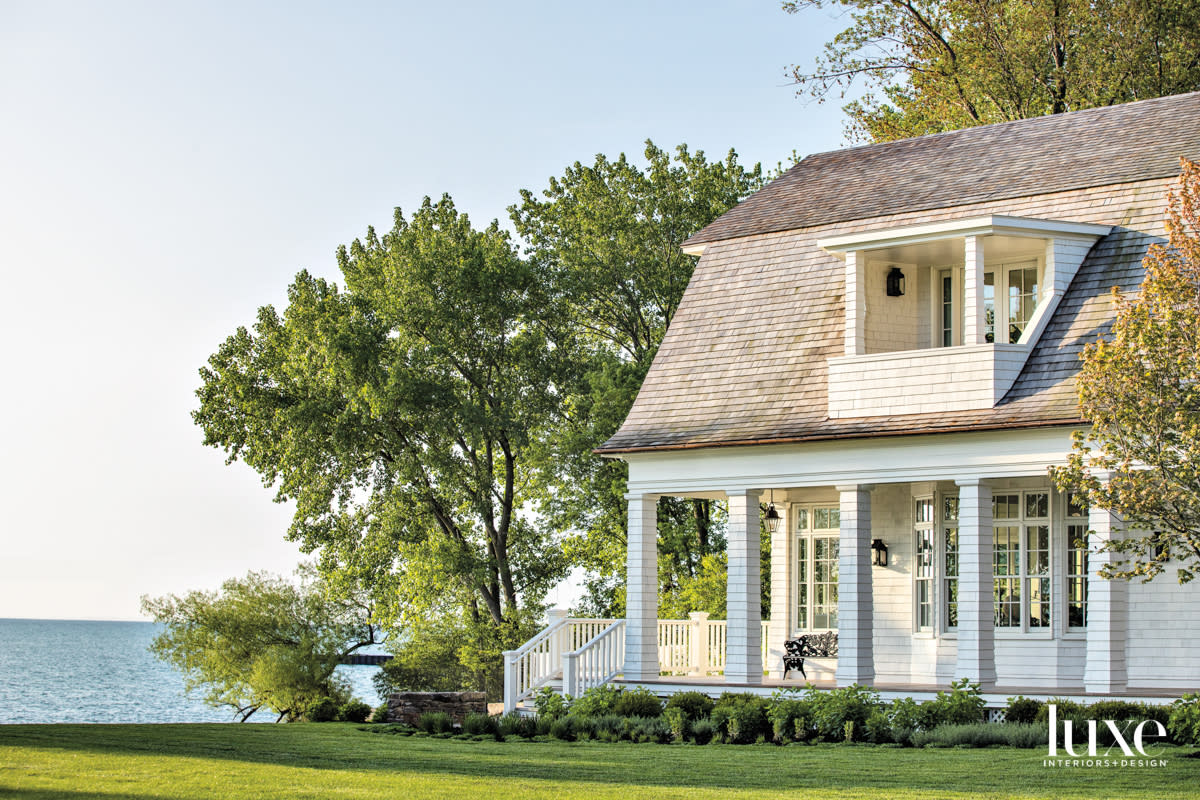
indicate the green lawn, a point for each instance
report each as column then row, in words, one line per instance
column 149, row 762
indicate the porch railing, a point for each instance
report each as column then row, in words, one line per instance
column 587, row 652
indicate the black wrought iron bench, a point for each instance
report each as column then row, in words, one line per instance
column 811, row 645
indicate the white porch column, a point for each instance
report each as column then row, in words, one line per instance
column 976, row 622
column 783, row 590
column 856, row 306
column 641, row 589
column 1106, row 611
column 743, row 595
column 974, row 322
column 856, row 663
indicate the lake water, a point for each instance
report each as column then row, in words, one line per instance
column 67, row 671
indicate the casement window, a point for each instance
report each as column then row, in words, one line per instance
column 817, row 529
column 1021, row 560
column 1010, row 293
column 1077, row 561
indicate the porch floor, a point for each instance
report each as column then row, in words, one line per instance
column 995, row 696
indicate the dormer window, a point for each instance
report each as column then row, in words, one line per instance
column 980, row 292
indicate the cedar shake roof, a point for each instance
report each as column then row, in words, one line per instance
column 744, row 359
column 1095, row 147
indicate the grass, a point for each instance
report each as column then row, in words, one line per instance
column 156, row 762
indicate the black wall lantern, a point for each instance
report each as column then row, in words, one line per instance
column 895, row 283
column 879, row 551
column 773, row 517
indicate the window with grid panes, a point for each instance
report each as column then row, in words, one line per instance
column 923, row 563
column 817, row 530
column 1077, row 561
column 1021, row 560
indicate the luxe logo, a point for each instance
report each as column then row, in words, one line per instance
column 1139, row 736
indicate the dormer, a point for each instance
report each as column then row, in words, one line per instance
column 941, row 317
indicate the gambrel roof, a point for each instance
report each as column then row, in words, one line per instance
column 744, row 359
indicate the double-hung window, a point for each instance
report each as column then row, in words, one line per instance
column 817, row 530
column 923, row 562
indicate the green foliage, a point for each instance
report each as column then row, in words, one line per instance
column 1139, row 386
column 380, row 714
column 679, row 723
column 905, row 717
column 435, row 722
column 834, row 708
column 1064, row 709
column 649, row 730
column 610, row 728
column 515, row 724
column 694, row 705
column 791, row 719
column 1184, row 721
column 323, row 710
column 354, row 711
column 564, row 728
column 405, row 415
column 262, row 641
column 878, row 728
column 606, row 237
column 937, row 65
column 550, row 704
column 704, row 731
column 452, row 652
column 741, row 717
column 962, row 705
column 482, row 725
column 983, row 734
column 1022, row 710
column 638, row 702
column 598, row 701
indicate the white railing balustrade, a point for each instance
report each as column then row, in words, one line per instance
column 597, row 662
column 587, row 652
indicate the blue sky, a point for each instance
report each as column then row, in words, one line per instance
column 167, row 168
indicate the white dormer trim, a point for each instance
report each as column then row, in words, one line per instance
column 976, row 374
column 991, row 225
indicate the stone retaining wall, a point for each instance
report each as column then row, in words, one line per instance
column 407, row 707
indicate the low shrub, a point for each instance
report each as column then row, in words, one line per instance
column 878, row 727
column 1022, row 710
column 651, row 730
column 323, row 710
column 962, row 705
column 564, row 728
column 435, row 722
column 637, row 702
column 514, row 724
column 610, row 728
column 1184, row 720
column 1065, row 709
column 597, row 701
column 679, row 723
column 741, row 717
column 832, row 709
column 354, row 711
column 481, row 725
column 694, row 705
column 983, row 734
column 550, row 704
column 791, row 719
column 542, row 725
column 905, row 717
column 380, row 714
column 703, row 731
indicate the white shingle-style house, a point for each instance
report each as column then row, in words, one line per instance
column 883, row 345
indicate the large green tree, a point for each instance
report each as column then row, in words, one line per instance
column 403, row 414
column 935, row 65
column 1139, row 386
column 607, row 238
column 263, row 641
